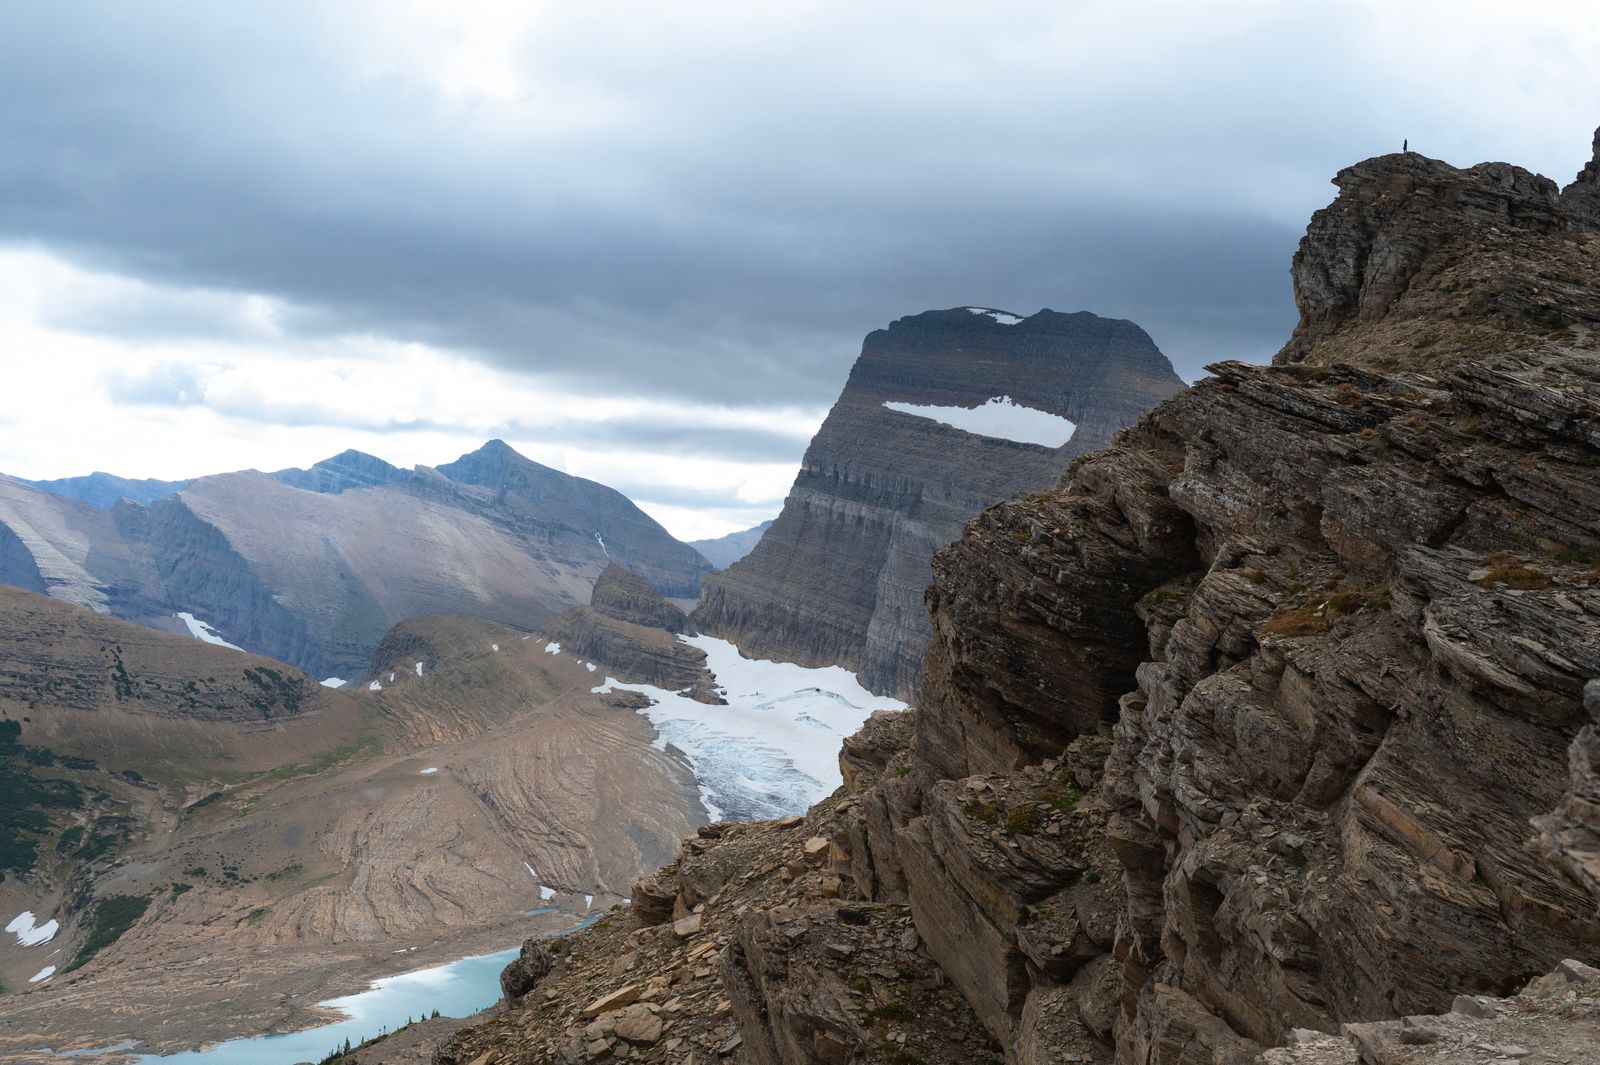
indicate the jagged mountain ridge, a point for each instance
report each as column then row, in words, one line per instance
column 348, row 469
column 1249, row 725
column 839, row 577
column 100, row 489
column 316, row 575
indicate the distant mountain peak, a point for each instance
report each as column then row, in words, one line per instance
column 492, row 465
column 724, row 551
column 103, row 490
column 346, row 470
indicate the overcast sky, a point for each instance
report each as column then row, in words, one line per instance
column 642, row 241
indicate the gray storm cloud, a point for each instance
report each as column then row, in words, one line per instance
column 717, row 209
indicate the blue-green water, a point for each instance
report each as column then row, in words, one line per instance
column 458, row 989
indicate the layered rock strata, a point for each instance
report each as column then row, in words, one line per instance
column 1556, row 1018
column 1335, row 619
column 839, row 577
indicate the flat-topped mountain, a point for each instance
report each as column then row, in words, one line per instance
column 313, row 566
column 944, row 413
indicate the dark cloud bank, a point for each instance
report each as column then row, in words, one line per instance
column 731, row 238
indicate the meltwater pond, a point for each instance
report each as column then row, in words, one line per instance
column 455, row 990
column 458, row 989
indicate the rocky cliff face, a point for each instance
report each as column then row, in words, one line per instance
column 1267, row 721
column 1335, row 616
column 623, row 595
column 839, row 577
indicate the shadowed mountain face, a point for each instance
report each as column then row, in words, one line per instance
column 313, row 566
column 839, row 577
column 724, row 551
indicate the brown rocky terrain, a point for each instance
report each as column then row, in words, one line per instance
column 838, row 578
column 1259, row 734
column 282, row 842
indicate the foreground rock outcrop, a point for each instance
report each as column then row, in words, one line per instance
column 1556, row 1018
column 838, row 578
column 1270, row 719
column 1335, row 615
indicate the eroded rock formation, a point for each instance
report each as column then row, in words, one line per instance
column 839, row 577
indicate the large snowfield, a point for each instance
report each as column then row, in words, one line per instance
column 774, row 749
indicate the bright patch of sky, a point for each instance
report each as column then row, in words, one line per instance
column 1000, row 417
column 250, row 398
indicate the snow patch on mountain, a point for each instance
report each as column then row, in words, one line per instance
column 1000, row 417
column 204, row 632
column 30, row 934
